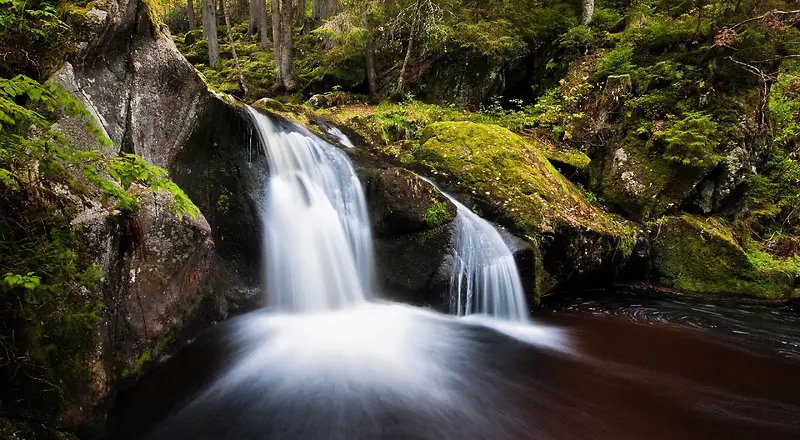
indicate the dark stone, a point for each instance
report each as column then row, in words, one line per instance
column 401, row 202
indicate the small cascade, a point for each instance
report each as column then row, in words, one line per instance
column 318, row 243
column 484, row 279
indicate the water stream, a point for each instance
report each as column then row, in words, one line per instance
column 324, row 361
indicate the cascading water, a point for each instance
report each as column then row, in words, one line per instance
column 325, row 363
column 318, row 242
column 484, row 279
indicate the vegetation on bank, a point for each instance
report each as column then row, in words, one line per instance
column 49, row 304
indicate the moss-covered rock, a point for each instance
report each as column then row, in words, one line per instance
column 270, row 104
column 641, row 182
column 513, row 176
column 402, row 203
column 702, row 255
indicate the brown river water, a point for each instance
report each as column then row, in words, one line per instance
column 613, row 366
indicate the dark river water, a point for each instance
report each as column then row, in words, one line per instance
column 618, row 366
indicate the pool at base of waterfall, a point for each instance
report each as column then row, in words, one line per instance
column 386, row 371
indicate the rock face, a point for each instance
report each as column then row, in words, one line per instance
column 702, row 255
column 165, row 276
column 414, row 237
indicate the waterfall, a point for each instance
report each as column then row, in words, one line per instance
column 318, row 243
column 484, row 279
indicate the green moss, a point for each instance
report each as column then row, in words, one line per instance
column 498, row 165
column 437, row 214
column 702, row 255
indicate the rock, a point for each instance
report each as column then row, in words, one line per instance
column 701, row 255
column 413, row 224
column 165, row 277
column 330, row 99
column 518, row 182
column 192, row 37
column 402, row 203
column 269, row 104
column 463, row 78
column 641, row 182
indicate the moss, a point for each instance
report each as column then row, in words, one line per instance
column 574, row 158
column 502, row 167
column 702, row 255
column 438, row 214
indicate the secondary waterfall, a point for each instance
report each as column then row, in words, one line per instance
column 484, row 279
column 318, row 243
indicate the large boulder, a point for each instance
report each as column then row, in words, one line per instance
column 165, row 276
column 702, row 255
column 578, row 241
column 414, row 237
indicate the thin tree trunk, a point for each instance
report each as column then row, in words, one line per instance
column 263, row 24
column 402, row 79
column 287, row 20
column 242, row 85
column 276, row 38
column 587, row 12
column 369, row 51
column 210, row 31
column 300, row 13
column 252, row 27
column 190, row 14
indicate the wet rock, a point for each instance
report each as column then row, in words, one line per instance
column 402, row 203
column 414, row 237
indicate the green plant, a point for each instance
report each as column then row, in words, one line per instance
column 618, row 61
column 691, row 140
column 437, row 214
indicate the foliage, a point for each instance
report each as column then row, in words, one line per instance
column 691, row 140
column 47, row 312
column 437, row 214
column 29, row 32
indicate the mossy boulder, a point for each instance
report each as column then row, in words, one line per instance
column 402, row 203
column 270, row 104
column 513, row 176
column 414, row 237
column 640, row 181
column 702, row 255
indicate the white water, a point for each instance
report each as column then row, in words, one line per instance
column 484, row 279
column 326, row 363
column 318, row 243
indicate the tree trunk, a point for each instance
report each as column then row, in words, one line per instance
column 190, row 14
column 276, row 37
column 287, row 21
column 402, row 79
column 369, row 51
column 210, row 31
column 255, row 7
column 300, row 13
column 263, row 24
column 324, row 9
column 587, row 12
column 242, row 85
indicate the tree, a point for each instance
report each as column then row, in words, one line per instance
column 587, row 12
column 300, row 13
column 258, row 22
column 282, row 26
column 400, row 89
column 255, row 7
column 242, row 85
column 324, row 9
column 190, row 14
column 210, row 31
column 368, row 23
